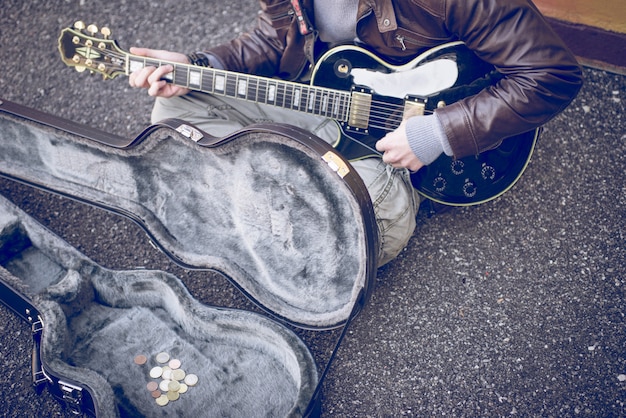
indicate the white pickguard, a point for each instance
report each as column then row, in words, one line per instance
column 423, row 80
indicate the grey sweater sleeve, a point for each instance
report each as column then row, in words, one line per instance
column 427, row 138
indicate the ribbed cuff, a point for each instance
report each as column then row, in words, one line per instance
column 427, row 138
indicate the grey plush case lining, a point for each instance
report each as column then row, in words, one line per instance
column 97, row 320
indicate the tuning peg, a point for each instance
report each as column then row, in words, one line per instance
column 106, row 32
column 80, row 25
column 93, row 29
column 80, row 68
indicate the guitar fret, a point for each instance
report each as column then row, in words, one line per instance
column 288, row 97
column 181, row 76
column 220, row 83
column 339, row 106
column 280, row 95
column 296, row 98
column 271, row 93
column 261, row 91
column 310, row 101
column 195, row 78
column 333, row 105
column 207, row 80
column 231, row 85
column 324, row 104
column 242, row 86
column 253, row 88
column 135, row 64
column 335, row 108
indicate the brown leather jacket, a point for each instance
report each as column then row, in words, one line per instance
column 541, row 76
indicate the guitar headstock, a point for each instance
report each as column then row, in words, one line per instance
column 87, row 48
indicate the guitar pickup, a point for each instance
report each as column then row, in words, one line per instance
column 414, row 106
column 360, row 110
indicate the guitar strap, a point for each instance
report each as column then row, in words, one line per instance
column 306, row 29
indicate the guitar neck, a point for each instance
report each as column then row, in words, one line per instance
column 334, row 104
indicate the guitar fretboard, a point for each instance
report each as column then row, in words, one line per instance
column 334, row 104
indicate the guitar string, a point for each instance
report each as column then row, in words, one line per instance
column 379, row 115
column 382, row 104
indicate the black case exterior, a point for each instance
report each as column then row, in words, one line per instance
column 274, row 209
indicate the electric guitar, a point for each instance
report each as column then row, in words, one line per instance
column 366, row 96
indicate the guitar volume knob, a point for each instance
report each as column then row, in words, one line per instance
column 457, row 167
column 469, row 189
column 488, row 172
column 440, row 184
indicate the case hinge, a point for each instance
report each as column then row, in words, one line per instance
column 190, row 132
column 336, row 164
column 72, row 396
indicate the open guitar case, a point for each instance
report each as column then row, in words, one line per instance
column 275, row 210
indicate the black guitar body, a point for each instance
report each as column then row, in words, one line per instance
column 458, row 182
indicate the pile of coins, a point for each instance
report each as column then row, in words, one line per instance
column 174, row 380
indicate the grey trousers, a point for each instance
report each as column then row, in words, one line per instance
column 395, row 201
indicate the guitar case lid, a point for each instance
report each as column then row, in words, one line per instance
column 276, row 210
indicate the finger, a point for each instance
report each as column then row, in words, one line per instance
column 144, row 52
column 159, row 73
column 139, row 78
column 382, row 144
column 156, row 88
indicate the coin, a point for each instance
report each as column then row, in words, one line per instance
column 162, row 400
column 178, row 374
column 164, row 385
column 152, row 386
column 174, row 364
column 156, row 372
column 183, row 388
column 173, row 386
column 191, row 380
column 162, row 357
column 167, row 374
column 140, row 359
column 172, row 396
column 155, row 393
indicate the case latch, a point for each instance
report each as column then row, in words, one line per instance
column 336, row 164
column 72, row 396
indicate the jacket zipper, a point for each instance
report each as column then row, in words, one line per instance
column 400, row 39
column 288, row 13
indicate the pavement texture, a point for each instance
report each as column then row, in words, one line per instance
column 511, row 308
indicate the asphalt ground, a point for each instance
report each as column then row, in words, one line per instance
column 513, row 307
